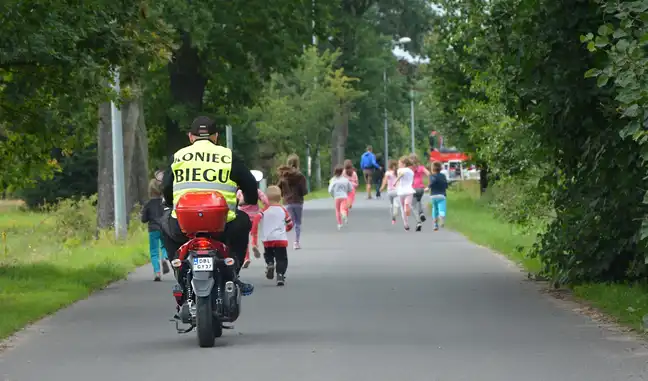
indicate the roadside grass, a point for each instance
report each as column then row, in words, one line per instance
column 43, row 267
column 624, row 303
column 317, row 193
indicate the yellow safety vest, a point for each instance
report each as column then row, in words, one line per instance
column 204, row 166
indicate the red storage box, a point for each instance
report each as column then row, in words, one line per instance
column 202, row 212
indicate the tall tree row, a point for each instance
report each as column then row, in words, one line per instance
column 509, row 84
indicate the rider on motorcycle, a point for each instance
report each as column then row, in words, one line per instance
column 204, row 165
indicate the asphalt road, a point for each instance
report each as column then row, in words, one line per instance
column 372, row 302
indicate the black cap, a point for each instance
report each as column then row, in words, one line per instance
column 203, row 126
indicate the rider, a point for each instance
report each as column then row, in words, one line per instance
column 204, row 165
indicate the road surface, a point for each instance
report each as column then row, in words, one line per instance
column 372, row 302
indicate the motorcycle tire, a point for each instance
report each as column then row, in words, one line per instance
column 205, row 322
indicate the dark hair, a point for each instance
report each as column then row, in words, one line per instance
column 338, row 170
column 348, row 166
column 436, row 167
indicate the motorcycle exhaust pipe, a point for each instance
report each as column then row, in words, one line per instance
column 229, row 287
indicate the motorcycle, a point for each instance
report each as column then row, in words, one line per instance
column 207, row 293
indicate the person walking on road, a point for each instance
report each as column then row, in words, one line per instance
column 251, row 210
column 419, row 189
column 389, row 181
column 350, row 173
column 339, row 188
column 292, row 184
column 274, row 222
column 368, row 164
column 151, row 214
column 379, row 174
column 438, row 185
column 404, row 188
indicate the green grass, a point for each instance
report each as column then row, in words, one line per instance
column 625, row 303
column 466, row 214
column 317, row 193
column 41, row 273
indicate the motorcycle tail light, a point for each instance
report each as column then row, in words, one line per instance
column 201, row 244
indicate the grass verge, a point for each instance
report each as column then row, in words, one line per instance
column 42, row 269
column 317, row 193
column 625, row 303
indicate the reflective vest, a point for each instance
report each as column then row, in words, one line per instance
column 204, row 166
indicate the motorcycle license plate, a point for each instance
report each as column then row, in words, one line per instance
column 203, row 264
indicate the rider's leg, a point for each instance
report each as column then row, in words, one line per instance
column 237, row 238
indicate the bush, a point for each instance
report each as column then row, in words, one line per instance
column 76, row 221
column 77, row 178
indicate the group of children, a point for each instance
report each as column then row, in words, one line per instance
column 270, row 223
column 405, row 187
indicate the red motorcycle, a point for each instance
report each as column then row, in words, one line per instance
column 207, row 293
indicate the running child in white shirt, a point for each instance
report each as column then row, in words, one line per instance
column 404, row 189
column 339, row 188
column 274, row 222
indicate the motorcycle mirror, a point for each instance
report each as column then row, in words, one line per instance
column 258, row 175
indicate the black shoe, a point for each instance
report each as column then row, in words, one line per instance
column 418, row 227
column 281, row 279
column 165, row 267
column 269, row 271
column 422, row 216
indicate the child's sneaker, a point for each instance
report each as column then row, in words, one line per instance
column 423, row 218
column 296, row 246
column 281, row 279
column 345, row 219
column 158, row 277
column 436, row 227
column 246, row 263
column 419, row 226
column 393, row 221
column 339, row 226
column 269, row 271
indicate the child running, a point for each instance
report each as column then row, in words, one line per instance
column 404, row 189
column 389, row 181
column 151, row 214
column 438, row 185
column 251, row 210
column 350, row 173
column 339, row 188
column 275, row 223
column 419, row 188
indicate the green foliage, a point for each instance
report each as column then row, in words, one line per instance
column 509, row 87
column 75, row 178
column 299, row 108
column 76, row 220
column 624, row 39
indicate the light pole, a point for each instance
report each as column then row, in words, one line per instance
column 412, row 118
column 119, row 183
column 402, row 40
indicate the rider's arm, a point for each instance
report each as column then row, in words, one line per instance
column 245, row 180
column 167, row 184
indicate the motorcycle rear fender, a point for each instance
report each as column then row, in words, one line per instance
column 202, row 283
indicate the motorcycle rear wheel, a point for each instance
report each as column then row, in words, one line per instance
column 205, row 322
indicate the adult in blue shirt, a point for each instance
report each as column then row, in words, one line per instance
column 368, row 164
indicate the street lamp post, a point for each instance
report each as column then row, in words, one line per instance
column 402, row 40
column 412, row 119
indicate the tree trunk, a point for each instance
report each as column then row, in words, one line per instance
column 187, row 90
column 483, row 178
column 339, row 138
column 135, row 152
column 105, row 191
column 135, row 160
column 318, row 170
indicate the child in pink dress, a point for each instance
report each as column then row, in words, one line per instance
column 252, row 211
column 350, row 173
